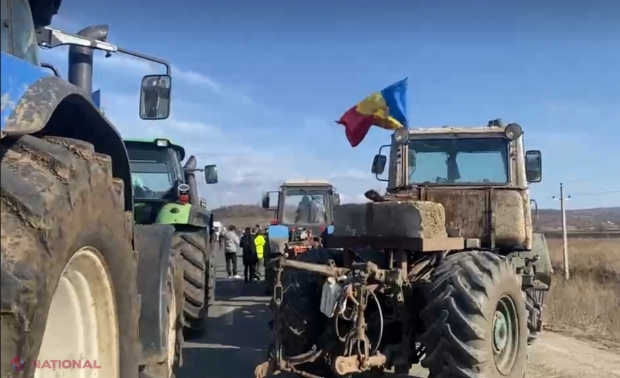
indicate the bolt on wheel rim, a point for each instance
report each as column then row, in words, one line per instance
column 82, row 322
column 505, row 334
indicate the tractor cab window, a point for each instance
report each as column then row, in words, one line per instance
column 460, row 161
column 306, row 206
column 18, row 35
column 151, row 174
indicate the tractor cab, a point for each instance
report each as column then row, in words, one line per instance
column 481, row 176
column 159, row 179
column 304, row 212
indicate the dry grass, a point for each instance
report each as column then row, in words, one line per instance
column 590, row 299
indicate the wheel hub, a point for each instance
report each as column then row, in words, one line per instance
column 500, row 332
column 82, row 323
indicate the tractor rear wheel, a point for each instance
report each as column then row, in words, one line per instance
column 69, row 288
column 475, row 318
column 173, row 297
column 193, row 246
column 302, row 321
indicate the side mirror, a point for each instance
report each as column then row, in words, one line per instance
column 211, row 174
column 155, row 97
column 378, row 164
column 336, row 199
column 265, row 201
column 533, row 166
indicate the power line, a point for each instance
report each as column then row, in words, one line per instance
column 591, row 193
column 598, row 177
column 588, row 193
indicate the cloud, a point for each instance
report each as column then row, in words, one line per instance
column 245, row 168
column 220, row 125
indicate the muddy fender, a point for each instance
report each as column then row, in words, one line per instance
column 544, row 269
column 152, row 242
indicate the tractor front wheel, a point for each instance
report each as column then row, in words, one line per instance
column 475, row 318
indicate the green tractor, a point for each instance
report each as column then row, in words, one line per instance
column 166, row 193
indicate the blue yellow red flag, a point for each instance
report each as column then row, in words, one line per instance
column 386, row 109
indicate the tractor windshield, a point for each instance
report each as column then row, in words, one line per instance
column 306, row 206
column 152, row 177
column 459, row 161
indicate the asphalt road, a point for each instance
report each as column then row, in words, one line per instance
column 238, row 334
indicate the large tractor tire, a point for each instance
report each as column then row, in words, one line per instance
column 69, row 289
column 302, row 321
column 173, row 298
column 194, row 247
column 475, row 319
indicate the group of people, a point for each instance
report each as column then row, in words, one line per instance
column 251, row 244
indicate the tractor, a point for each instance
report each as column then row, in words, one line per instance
column 80, row 281
column 303, row 217
column 165, row 193
column 443, row 269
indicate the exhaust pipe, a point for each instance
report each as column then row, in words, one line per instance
column 81, row 58
column 190, row 179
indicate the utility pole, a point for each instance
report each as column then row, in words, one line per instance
column 564, row 232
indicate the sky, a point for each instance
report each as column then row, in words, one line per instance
column 257, row 85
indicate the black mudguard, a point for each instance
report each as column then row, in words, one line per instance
column 153, row 245
column 53, row 106
column 200, row 217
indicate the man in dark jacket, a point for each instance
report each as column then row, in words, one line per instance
column 249, row 255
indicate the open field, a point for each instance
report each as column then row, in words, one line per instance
column 590, row 300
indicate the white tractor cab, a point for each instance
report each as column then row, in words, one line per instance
column 481, row 177
column 294, row 197
column 479, row 174
column 304, row 211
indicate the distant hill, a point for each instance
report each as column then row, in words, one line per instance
column 243, row 215
column 598, row 219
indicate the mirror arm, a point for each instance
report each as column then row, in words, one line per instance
column 149, row 58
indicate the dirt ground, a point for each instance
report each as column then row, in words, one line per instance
column 238, row 335
column 556, row 355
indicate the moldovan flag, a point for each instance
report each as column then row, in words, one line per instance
column 386, row 109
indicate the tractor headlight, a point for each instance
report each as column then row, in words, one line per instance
column 162, row 142
column 513, row 131
column 401, row 135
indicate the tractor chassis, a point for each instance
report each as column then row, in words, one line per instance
column 364, row 279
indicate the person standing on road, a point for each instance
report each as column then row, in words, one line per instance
column 231, row 246
column 249, row 255
column 259, row 242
